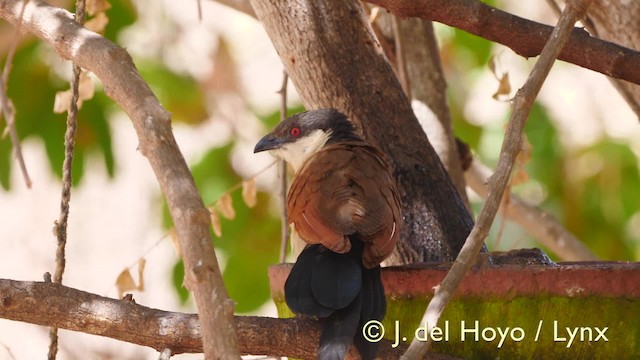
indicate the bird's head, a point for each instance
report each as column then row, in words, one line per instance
column 300, row 136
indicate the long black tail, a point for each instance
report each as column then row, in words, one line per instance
column 340, row 291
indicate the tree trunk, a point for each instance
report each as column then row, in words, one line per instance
column 334, row 61
column 429, row 88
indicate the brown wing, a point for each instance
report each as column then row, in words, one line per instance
column 347, row 190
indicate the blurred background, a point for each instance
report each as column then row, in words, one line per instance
column 219, row 78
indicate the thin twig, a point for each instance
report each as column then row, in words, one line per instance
column 60, row 227
column 282, row 171
column 199, row 10
column 511, row 146
column 8, row 110
column 12, row 49
column 9, row 352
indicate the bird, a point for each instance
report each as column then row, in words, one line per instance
column 343, row 203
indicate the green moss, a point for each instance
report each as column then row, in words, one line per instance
column 518, row 320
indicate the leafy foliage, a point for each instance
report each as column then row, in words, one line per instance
column 594, row 191
column 32, row 87
column 33, row 93
column 177, row 92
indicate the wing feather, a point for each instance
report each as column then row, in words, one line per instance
column 347, row 190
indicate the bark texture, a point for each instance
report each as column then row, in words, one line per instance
column 334, row 61
column 50, row 304
column 618, row 21
column 525, row 37
column 429, row 88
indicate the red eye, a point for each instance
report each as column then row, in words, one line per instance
column 295, row 131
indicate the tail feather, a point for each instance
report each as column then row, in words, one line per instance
column 338, row 289
column 297, row 288
column 373, row 308
column 336, row 279
column 338, row 331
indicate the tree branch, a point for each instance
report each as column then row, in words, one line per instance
column 512, row 145
column 9, row 111
column 50, row 304
column 429, row 96
column 525, row 37
column 282, row 172
column 542, row 226
column 152, row 123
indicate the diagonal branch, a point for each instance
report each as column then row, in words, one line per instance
column 542, row 226
column 50, row 304
column 525, row 37
column 511, row 146
column 152, row 123
column 8, row 111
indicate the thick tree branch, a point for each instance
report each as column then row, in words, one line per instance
column 525, row 37
column 50, row 304
column 512, row 145
column 152, row 123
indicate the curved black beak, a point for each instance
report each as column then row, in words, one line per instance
column 269, row 142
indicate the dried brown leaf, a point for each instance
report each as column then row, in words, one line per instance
column 97, row 6
column 225, row 205
column 249, row 192
column 97, row 23
column 141, row 264
column 86, row 89
column 493, row 64
column 504, row 88
column 520, row 175
column 224, row 78
column 125, row 283
column 215, row 222
column 62, row 101
column 174, row 241
column 504, row 85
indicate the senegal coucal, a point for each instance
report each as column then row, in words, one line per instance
column 343, row 203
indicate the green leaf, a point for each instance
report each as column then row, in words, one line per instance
column 5, row 165
column 32, row 90
column 179, row 94
column 273, row 118
column 121, row 15
column 178, row 278
column 471, row 48
column 250, row 241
